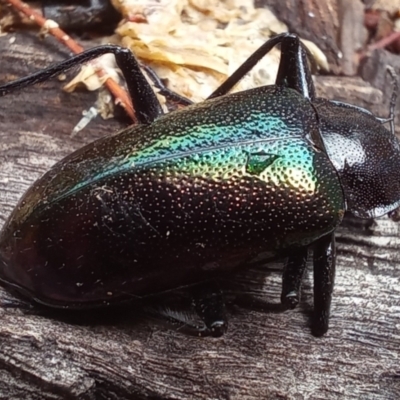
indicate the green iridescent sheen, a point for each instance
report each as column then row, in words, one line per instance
column 261, row 135
column 244, row 123
column 198, row 192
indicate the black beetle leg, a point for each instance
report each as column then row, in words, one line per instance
column 293, row 68
column 324, row 279
column 145, row 103
column 293, row 272
column 248, row 65
column 209, row 304
column 17, row 303
column 294, row 71
column 393, row 99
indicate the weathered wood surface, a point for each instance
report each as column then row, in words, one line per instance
column 314, row 20
column 263, row 355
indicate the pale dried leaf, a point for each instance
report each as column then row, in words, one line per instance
column 391, row 6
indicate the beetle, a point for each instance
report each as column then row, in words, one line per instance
column 187, row 198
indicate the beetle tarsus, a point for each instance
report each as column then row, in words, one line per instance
column 209, row 304
column 178, row 320
column 293, row 272
column 17, row 303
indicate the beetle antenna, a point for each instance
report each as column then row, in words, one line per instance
column 393, row 100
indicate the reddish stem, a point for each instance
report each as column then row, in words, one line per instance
column 119, row 93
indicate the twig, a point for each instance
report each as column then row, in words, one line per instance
column 119, row 93
column 380, row 44
column 385, row 41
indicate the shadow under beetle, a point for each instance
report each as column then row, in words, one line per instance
column 191, row 196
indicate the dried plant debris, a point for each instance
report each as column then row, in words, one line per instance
column 390, row 6
column 87, row 76
column 196, row 44
column 193, row 45
column 382, row 19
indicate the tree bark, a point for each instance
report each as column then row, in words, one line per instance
column 313, row 20
column 264, row 355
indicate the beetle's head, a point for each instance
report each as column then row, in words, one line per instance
column 366, row 156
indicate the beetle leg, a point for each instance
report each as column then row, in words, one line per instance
column 145, row 103
column 17, row 303
column 294, row 71
column 181, row 320
column 324, row 278
column 293, row 272
column 248, row 65
column 393, row 99
column 293, row 67
column 209, row 304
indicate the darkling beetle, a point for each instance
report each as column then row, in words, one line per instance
column 194, row 195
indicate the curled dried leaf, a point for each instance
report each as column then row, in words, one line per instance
column 88, row 77
column 194, row 45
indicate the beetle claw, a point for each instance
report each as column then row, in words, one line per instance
column 290, row 301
